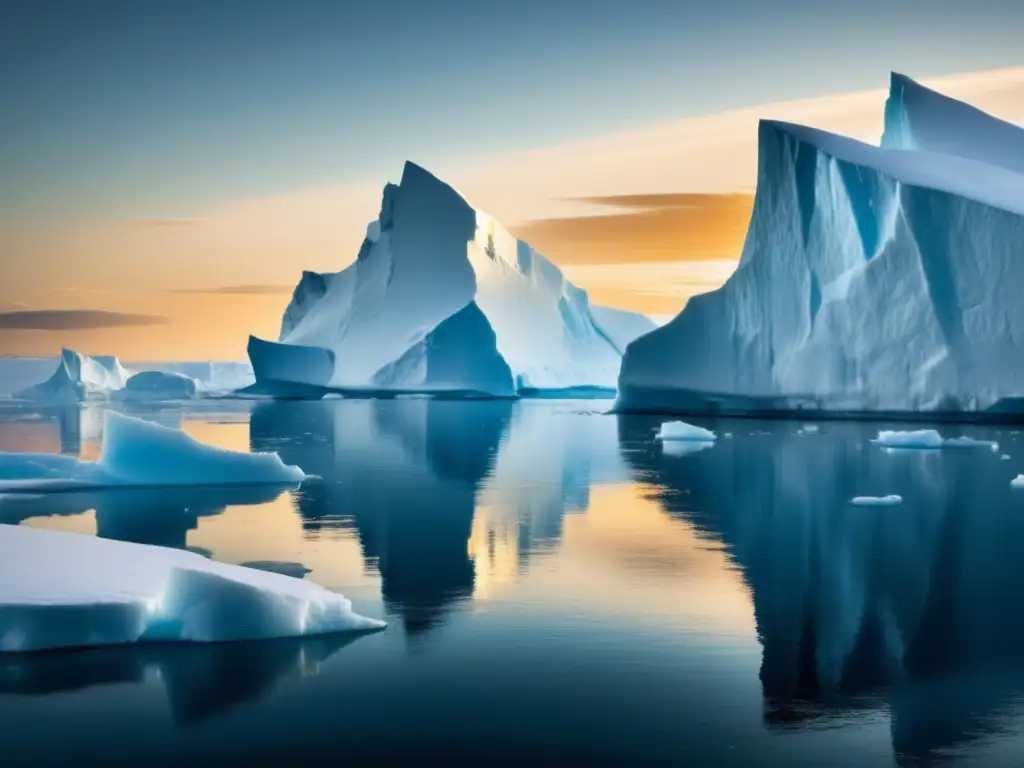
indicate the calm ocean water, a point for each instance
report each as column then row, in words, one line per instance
column 559, row 588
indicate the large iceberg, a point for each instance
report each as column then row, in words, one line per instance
column 77, row 378
column 872, row 280
column 68, row 590
column 442, row 298
column 140, row 453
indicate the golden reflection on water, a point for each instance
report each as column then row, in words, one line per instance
column 621, row 551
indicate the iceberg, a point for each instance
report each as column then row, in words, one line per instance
column 77, row 378
column 441, row 298
column 1017, row 482
column 891, row 500
column 929, row 439
column 68, row 590
column 680, row 430
column 140, row 453
column 159, row 385
column 872, row 281
column 918, row 118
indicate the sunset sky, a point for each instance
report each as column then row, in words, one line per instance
column 168, row 169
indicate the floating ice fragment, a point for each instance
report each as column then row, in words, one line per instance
column 139, row 453
column 680, row 430
column 877, row 501
column 65, row 590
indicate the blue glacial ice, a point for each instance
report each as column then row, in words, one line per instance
column 441, row 298
column 873, row 280
column 68, row 590
column 77, row 378
column 140, row 453
column 159, row 385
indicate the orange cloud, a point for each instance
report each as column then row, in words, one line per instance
column 666, row 227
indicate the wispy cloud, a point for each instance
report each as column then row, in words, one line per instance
column 239, row 290
column 160, row 223
column 660, row 227
column 73, row 320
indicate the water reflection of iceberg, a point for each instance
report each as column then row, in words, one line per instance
column 417, row 479
column 161, row 516
column 200, row 681
column 850, row 602
column 404, row 474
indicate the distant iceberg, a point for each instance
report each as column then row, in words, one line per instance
column 67, row 590
column 139, row 453
column 873, row 280
column 929, row 439
column 160, row 385
column 441, row 298
column 77, row 378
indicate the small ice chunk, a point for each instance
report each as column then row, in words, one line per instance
column 1017, row 482
column 877, row 501
column 921, row 438
column 69, row 590
column 1005, row 457
column 970, row 442
column 680, row 430
column 139, row 453
column 809, row 429
column 684, row 447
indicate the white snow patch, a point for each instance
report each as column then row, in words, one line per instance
column 66, row 590
column 139, row 453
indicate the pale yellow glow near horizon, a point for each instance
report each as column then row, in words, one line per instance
column 128, row 266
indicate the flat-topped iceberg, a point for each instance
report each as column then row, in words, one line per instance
column 140, row 453
column 77, row 378
column 872, row 280
column 159, row 385
column 929, row 439
column 441, row 298
column 68, row 590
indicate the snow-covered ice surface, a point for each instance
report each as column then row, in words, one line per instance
column 442, row 298
column 929, row 439
column 77, row 378
column 918, row 118
column 877, row 501
column 159, row 385
column 873, row 280
column 680, row 431
column 140, row 453
column 66, row 590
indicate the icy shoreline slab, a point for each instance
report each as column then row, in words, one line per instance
column 140, row 453
column 67, row 590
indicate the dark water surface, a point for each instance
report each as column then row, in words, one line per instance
column 559, row 588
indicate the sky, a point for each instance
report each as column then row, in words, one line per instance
column 167, row 170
